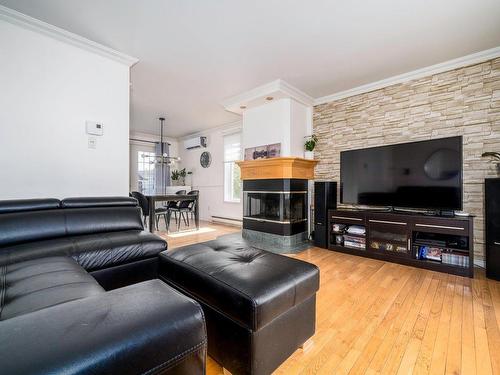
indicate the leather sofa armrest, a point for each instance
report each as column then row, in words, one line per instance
column 147, row 327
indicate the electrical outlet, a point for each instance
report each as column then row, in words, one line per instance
column 92, row 143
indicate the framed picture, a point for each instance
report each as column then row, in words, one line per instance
column 263, row 152
column 274, row 150
column 260, row 153
column 249, row 153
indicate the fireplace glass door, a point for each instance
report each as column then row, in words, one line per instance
column 280, row 207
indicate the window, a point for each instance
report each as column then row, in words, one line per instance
column 232, row 182
column 145, row 171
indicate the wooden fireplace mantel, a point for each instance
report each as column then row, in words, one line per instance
column 286, row 167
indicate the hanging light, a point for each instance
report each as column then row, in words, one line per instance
column 162, row 158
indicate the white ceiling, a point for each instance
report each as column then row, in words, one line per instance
column 195, row 53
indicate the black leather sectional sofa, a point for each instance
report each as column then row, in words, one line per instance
column 79, row 294
column 85, row 290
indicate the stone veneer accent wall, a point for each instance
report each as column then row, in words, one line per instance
column 463, row 101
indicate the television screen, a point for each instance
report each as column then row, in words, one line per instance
column 426, row 174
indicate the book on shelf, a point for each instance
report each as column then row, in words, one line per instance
column 456, row 260
column 355, row 245
column 361, row 240
column 429, row 252
column 444, row 256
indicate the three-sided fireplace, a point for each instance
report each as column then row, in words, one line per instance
column 275, row 211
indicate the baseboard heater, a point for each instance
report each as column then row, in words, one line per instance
column 227, row 220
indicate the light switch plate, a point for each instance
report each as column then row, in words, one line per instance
column 93, row 142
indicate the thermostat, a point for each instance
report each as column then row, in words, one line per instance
column 94, row 128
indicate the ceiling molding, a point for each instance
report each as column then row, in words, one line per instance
column 30, row 23
column 277, row 89
column 460, row 62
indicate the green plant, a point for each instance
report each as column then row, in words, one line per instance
column 310, row 143
column 176, row 175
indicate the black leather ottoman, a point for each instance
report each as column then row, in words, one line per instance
column 259, row 306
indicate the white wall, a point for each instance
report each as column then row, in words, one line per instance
column 210, row 181
column 284, row 121
column 48, row 89
column 267, row 124
column 300, row 127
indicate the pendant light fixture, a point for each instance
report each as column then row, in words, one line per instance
column 162, row 157
column 162, row 162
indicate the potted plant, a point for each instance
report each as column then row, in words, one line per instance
column 309, row 146
column 496, row 158
column 175, row 177
column 179, row 177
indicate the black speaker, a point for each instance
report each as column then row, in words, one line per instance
column 492, row 220
column 325, row 198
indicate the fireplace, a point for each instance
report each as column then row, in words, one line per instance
column 275, row 202
column 275, row 212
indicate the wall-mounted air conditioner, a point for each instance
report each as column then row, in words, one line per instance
column 195, row 142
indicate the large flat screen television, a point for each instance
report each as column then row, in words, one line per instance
column 424, row 175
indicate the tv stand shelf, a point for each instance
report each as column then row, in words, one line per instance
column 407, row 238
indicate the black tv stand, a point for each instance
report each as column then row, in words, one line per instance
column 437, row 243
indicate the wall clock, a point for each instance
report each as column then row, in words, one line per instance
column 205, row 159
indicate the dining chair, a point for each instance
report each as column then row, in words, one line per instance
column 171, row 207
column 185, row 208
column 144, row 204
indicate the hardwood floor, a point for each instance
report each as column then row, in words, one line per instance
column 186, row 236
column 375, row 317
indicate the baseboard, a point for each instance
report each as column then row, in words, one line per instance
column 227, row 221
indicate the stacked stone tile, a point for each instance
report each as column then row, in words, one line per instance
column 464, row 101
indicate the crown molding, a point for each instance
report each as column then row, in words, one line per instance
column 278, row 89
column 460, row 62
column 30, row 23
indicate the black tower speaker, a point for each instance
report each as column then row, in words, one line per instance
column 492, row 206
column 325, row 198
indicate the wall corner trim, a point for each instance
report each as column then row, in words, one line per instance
column 460, row 62
column 30, row 23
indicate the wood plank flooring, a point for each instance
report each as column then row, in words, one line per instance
column 375, row 317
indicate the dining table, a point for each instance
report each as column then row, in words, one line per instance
column 159, row 197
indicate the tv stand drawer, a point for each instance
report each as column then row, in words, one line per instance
column 347, row 217
column 446, row 226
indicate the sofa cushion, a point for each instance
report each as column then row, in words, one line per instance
column 91, row 251
column 28, row 226
column 39, row 283
column 250, row 286
column 19, row 205
column 147, row 328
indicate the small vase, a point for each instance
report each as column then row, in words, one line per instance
column 309, row 155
